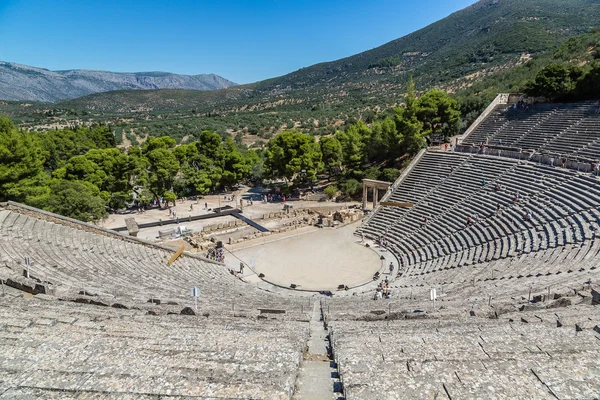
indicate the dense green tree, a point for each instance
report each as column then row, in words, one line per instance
column 384, row 142
column 118, row 169
column 236, row 166
column 76, row 199
column 350, row 187
column 199, row 171
column 163, row 166
column 21, row 162
column 439, row 113
column 292, row 152
column 588, row 86
column 353, row 146
column 390, row 174
column 371, row 173
column 408, row 124
column 555, row 81
column 258, row 165
column 331, row 149
column 61, row 145
column 331, row 191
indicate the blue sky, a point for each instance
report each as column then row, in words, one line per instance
column 244, row 41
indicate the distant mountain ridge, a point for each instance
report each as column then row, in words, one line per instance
column 454, row 52
column 23, row 82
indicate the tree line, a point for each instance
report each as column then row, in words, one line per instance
column 81, row 173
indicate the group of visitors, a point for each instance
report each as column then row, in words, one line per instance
column 521, row 105
column 450, row 146
column 482, row 148
column 383, row 291
column 216, row 254
column 273, row 198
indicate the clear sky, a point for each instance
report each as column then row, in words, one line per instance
column 244, row 41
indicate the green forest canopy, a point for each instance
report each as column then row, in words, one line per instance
column 80, row 173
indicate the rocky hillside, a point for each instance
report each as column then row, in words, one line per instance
column 21, row 82
column 453, row 53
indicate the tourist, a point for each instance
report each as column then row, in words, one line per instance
column 499, row 209
column 205, row 205
column 497, row 187
column 191, row 207
column 391, row 267
column 241, row 268
column 517, row 197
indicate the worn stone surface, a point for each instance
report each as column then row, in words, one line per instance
column 117, row 351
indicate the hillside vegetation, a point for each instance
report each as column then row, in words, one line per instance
column 471, row 53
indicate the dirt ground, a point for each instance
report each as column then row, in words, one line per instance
column 313, row 259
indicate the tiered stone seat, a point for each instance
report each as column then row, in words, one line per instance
column 576, row 138
column 80, row 264
column 570, row 129
column 494, row 122
column 503, row 253
column 469, row 357
column 53, row 349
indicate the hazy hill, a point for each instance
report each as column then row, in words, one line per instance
column 22, row 82
column 487, row 37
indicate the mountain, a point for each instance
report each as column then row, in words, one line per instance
column 479, row 43
column 22, row 82
column 484, row 38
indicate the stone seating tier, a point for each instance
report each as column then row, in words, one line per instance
column 569, row 129
column 55, row 349
column 520, row 355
